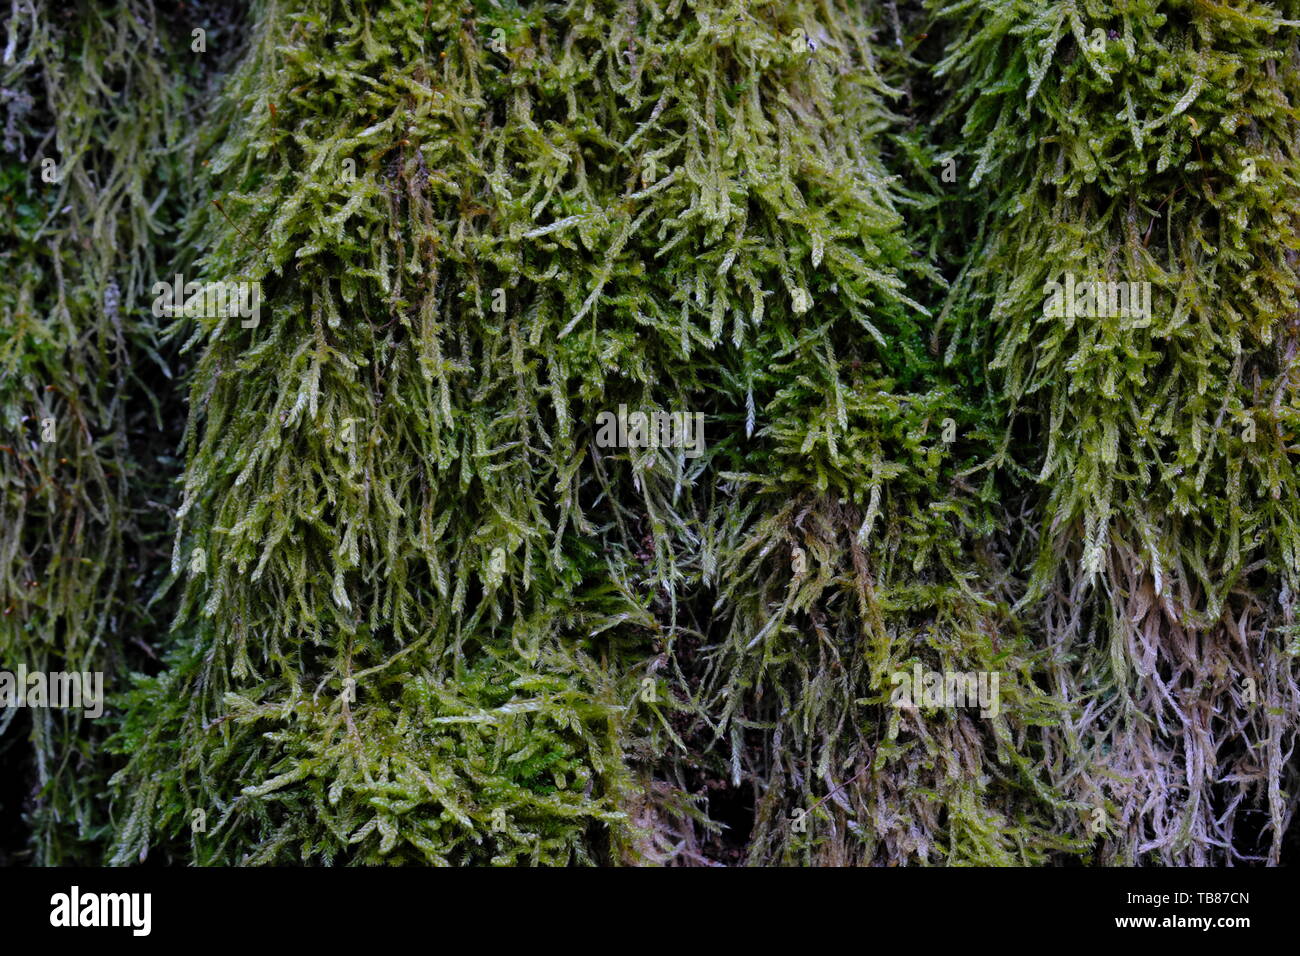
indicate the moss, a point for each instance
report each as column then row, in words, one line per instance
column 667, row 201
column 92, row 178
column 1150, row 143
column 415, row 611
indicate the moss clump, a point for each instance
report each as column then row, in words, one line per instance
column 1150, row 143
column 92, row 181
column 473, row 235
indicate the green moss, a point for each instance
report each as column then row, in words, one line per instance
column 1150, row 142
column 82, row 383
column 415, row 612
